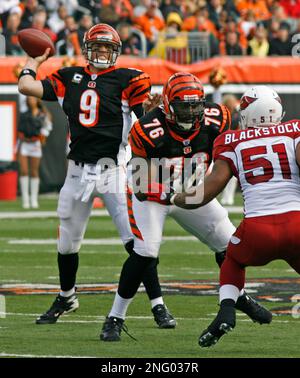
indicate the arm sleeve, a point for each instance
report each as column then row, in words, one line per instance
column 54, row 87
column 140, row 143
column 48, row 91
column 226, row 119
column 137, row 90
column 221, row 151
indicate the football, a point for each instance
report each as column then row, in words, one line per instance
column 34, row 42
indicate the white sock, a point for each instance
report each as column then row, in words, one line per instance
column 119, row 307
column 67, row 293
column 229, row 292
column 34, row 191
column 24, row 184
column 156, row 301
column 242, row 292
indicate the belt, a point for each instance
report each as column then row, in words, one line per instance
column 81, row 164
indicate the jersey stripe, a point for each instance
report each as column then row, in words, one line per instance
column 57, row 76
column 137, row 90
column 142, row 134
column 226, row 118
column 57, row 84
column 136, row 146
column 134, row 228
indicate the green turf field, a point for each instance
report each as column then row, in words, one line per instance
column 22, row 261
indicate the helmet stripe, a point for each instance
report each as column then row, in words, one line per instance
column 246, row 101
column 189, row 87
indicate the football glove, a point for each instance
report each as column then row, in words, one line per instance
column 158, row 193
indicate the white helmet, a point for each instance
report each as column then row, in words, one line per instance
column 260, row 106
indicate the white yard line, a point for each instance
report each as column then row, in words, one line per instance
column 99, row 318
column 98, row 213
column 42, row 214
column 104, row 241
column 4, row 354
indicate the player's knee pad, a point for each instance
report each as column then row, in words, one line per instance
column 122, row 222
column 145, row 249
column 225, row 229
column 219, row 238
column 65, row 244
column 65, row 204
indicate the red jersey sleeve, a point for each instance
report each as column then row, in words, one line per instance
column 225, row 152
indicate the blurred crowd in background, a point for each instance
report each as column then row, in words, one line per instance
column 148, row 27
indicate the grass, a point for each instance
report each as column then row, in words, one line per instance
column 78, row 334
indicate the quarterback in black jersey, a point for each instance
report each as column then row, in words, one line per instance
column 98, row 100
column 183, row 128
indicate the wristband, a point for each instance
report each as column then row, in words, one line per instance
column 27, row 71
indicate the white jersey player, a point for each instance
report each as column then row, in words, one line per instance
column 265, row 157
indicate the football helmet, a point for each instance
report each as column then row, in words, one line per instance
column 260, row 106
column 105, row 35
column 184, row 101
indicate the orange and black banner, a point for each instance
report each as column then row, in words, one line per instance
column 239, row 70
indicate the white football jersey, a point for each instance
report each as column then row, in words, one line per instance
column 264, row 161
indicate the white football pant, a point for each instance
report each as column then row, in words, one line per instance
column 210, row 224
column 74, row 214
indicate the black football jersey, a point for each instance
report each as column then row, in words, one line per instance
column 98, row 107
column 152, row 137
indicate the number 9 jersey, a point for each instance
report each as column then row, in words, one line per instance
column 98, row 107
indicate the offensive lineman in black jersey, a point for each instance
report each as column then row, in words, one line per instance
column 98, row 100
column 181, row 133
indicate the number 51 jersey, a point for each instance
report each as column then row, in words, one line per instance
column 98, row 107
column 264, row 161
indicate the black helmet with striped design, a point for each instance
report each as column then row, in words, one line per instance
column 184, row 101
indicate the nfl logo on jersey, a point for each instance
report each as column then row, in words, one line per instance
column 187, row 150
column 91, row 84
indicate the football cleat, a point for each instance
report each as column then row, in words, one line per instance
column 163, row 317
column 61, row 306
column 222, row 324
column 255, row 311
column 111, row 330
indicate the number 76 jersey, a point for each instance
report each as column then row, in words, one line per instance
column 187, row 155
column 264, row 161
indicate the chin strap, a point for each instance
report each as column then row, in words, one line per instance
column 182, row 125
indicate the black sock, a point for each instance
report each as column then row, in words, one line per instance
column 227, row 303
column 150, row 278
column 151, row 281
column 132, row 274
column 67, row 265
